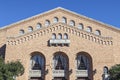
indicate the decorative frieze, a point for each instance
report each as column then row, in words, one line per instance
column 60, row 26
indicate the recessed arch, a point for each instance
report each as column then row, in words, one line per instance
column 105, row 70
column 98, row 32
column 21, row 32
column 84, row 62
column 64, row 20
column 65, row 36
column 59, row 36
column 72, row 23
column 37, row 66
column 80, row 26
column 39, row 25
column 53, row 36
column 89, row 29
column 64, row 55
column 30, row 29
column 47, row 23
column 61, row 62
column 55, row 20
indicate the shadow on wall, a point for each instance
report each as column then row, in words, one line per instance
column 3, row 50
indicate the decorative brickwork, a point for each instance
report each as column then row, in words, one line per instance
column 17, row 42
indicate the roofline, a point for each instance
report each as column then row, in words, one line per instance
column 43, row 13
column 91, row 19
column 9, row 25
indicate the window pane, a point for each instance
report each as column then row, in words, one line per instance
column 37, row 62
column 82, row 62
column 65, row 36
column 53, row 36
column 38, row 26
column 30, row 29
column 64, row 20
column 80, row 26
column 97, row 32
column 55, row 20
column 47, row 23
column 21, row 32
column 89, row 29
column 59, row 36
column 72, row 23
column 105, row 70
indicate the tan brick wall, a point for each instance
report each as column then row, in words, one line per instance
column 20, row 47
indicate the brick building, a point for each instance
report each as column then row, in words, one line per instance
column 61, row 45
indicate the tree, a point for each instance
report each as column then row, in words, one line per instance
column 114, row 72
column 10, row 69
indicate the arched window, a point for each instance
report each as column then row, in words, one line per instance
column 37, row 62
column 59, row 36
column 89, row 29
column 55, row 20
column 65, row 36
column 80, row 26
column 97, row 32
column 64, row 20
column 38, row 25
column 21, row 32
column 105, row 70
column 72, row 23
column 47, row 23
column 105, row 74
column 60, row 62
column 53, row 36
column 37, row 66
column 82, row 62
column 30, row 29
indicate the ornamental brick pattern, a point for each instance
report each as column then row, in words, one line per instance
column 103, row 49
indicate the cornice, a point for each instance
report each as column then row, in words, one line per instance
column 60, row 26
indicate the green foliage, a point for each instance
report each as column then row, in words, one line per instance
column 10, row 69
column 115, row 72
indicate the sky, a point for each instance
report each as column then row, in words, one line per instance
column 106, row 11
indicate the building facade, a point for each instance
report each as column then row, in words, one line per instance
column 61, row 45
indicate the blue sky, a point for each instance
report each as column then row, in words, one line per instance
column 107, row 11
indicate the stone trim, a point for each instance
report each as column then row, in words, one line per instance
column 59, row 26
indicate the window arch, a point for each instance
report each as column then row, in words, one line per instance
column 65, row 36
column 72, row 23
column 97, row 32
column 21, row 32
column 53, row 36
column 38, row 25
column 37, row 62
column 84, row 63
column 55, row 20
column 64, row 20
column 61, row 62
column 80, row 26
column 105, row 69
column 89, row 29
column 47, row 23
column 105, row 74
column 30, row 29
column 59, row 36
